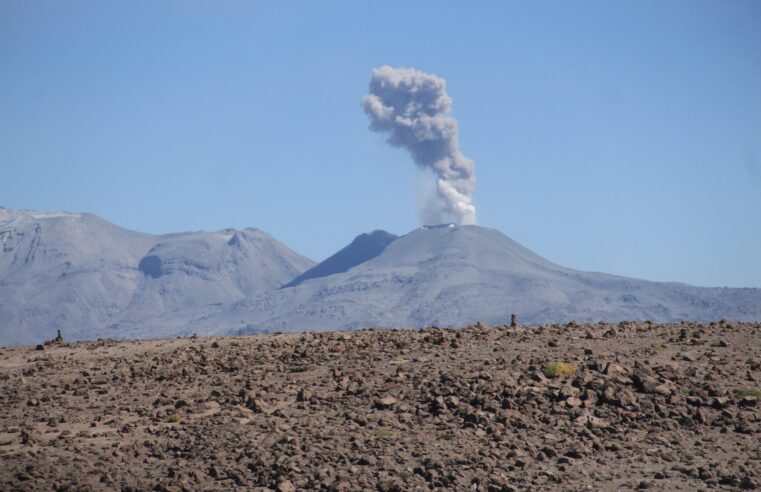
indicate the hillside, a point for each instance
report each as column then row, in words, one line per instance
column 93, row 279
column 86, row 276
column 364, row 248
column 448, row 275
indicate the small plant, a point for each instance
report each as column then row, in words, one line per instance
column 446, row 436
column 382, row 432
column 559, row 370
column 743, row 392
column 174, row 418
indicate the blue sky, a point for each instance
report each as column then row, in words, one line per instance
column 622, row 137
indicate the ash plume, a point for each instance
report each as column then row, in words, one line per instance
column 413, row 108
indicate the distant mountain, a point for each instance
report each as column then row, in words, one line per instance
column 88, row 277
column 364, row 248
column 454, row 275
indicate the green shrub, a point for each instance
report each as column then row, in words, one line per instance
column 559, row 370
column 382, row 432
column 743, row 392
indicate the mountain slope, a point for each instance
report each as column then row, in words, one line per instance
column 451, row 275
column 365, row 247
column 86, row 276
column 90, row 278
column 67, row 271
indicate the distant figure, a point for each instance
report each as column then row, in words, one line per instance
column 57, row 340
column 513, row 321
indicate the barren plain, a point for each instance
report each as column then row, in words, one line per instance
column 557, row 407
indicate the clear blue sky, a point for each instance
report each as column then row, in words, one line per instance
column 622, row 137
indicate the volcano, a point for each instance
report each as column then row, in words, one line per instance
column 454, row 275
column 92, row 279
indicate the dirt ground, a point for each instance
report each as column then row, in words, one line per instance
column 633, row 406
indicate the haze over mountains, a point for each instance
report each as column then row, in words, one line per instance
column 90, row 278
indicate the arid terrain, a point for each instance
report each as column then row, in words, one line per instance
column 631, row 406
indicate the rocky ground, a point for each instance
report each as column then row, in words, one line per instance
column 632, row 406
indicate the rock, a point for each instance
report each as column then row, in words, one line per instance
column 695, row 401
column 645, row 383
column 663, row 389
column 591, row 421
column 749, row 483
column 257, row 405
column 626, row 398
column 567, row 391
column 573, row 402
column 538, row 376
column 438, row 405
column 385, row 402
column 691, row 356
column 612, row 369
column 303, row 395
column 749, row 401
column 720, row 402
column 608, row 394
column 286, row 486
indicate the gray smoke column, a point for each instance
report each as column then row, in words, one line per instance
column 413, row 108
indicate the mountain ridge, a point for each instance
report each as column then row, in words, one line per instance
column 452, row 276
column 81, row 273
column 93, row 279
column 363, row 248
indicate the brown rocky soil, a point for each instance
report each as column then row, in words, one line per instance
column 661, row 407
